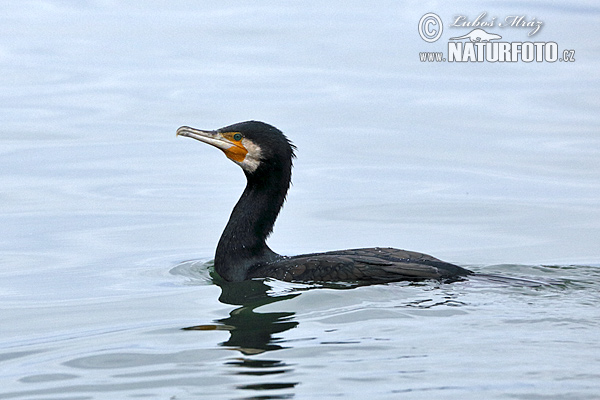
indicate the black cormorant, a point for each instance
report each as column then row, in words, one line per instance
column 265, row 155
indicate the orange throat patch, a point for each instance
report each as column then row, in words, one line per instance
column 236, row 152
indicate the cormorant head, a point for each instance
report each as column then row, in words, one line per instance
column 253, row 145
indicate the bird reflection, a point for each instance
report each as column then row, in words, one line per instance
column 251, row 332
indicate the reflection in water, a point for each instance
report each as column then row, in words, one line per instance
column 253, row 332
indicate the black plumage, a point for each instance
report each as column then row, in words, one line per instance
column 266, row 155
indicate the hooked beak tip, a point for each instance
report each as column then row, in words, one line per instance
column 181, row 131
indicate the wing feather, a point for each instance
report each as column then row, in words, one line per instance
column 362, row 265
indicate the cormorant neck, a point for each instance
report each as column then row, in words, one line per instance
column 243, row 242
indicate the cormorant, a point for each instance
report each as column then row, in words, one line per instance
column 265, row 155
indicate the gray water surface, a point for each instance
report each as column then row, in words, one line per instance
column 108, row 222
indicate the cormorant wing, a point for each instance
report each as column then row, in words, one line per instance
column 361, row 265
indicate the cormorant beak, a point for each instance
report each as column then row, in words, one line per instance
column 211, row 137
column 234, row 149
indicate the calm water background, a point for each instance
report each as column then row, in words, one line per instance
column 492, row 166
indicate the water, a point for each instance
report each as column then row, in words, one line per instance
column 109, row 222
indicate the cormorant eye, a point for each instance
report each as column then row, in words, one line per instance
column 237, row 137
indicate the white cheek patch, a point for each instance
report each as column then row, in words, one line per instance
column 252, row 159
